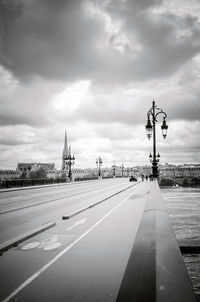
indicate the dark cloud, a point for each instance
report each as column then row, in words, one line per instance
column 180, row 103
column 162, row 50
column 48, row 38
column 10, row 142
column 63, row 40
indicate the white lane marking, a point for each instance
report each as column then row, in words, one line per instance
column 50, row 263
column 77, row 223
column 46, row 244
column 31, row 245
column 51, row 246
column 51, row 240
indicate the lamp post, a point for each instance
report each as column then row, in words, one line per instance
column 70, row 161
column 152, row 114
column 99, row 163
column 114, row 168
column 122, row 170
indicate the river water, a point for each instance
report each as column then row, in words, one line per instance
column 183, row 205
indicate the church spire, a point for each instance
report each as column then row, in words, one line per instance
column 65, row 152
column 65, row 143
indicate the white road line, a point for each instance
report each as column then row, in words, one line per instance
column 50, row 263
column 76, row 224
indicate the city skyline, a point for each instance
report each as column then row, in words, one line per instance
column 93, row 68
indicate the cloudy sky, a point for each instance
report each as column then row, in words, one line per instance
column 93, row 67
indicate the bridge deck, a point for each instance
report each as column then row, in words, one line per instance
column 123, row 249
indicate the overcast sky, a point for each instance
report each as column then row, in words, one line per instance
column 93, row 68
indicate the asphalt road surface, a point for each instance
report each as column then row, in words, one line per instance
column 80, row 259
column 23, row 210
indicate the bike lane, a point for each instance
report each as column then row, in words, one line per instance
column 81, row 259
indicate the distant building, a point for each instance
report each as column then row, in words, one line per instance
column 117, row 171
column 35, row 166
column 144, row 170
column 9, row 174
column 29, row 167
column 21, row 167
column 186, row 170
column 78, row 173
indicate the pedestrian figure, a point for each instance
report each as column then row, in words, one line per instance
column 147, row 177
column 142, row 177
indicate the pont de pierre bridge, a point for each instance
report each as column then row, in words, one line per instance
column 102, row 240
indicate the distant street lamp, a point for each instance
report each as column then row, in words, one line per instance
column 70, row 161
column 152, row 114
column 99, row 163
column 114, row 169
column 122, row 170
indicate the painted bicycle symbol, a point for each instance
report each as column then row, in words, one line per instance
column 46, row 244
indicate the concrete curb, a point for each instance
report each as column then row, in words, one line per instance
column 65, row 217
column 20, row 238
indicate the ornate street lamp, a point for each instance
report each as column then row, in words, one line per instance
column 148, row 127
column 70, row 161
column 164, row 128
column 99, row 163
column 152, row 114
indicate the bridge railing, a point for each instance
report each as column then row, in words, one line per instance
column 156, row 270
column 14, row 183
